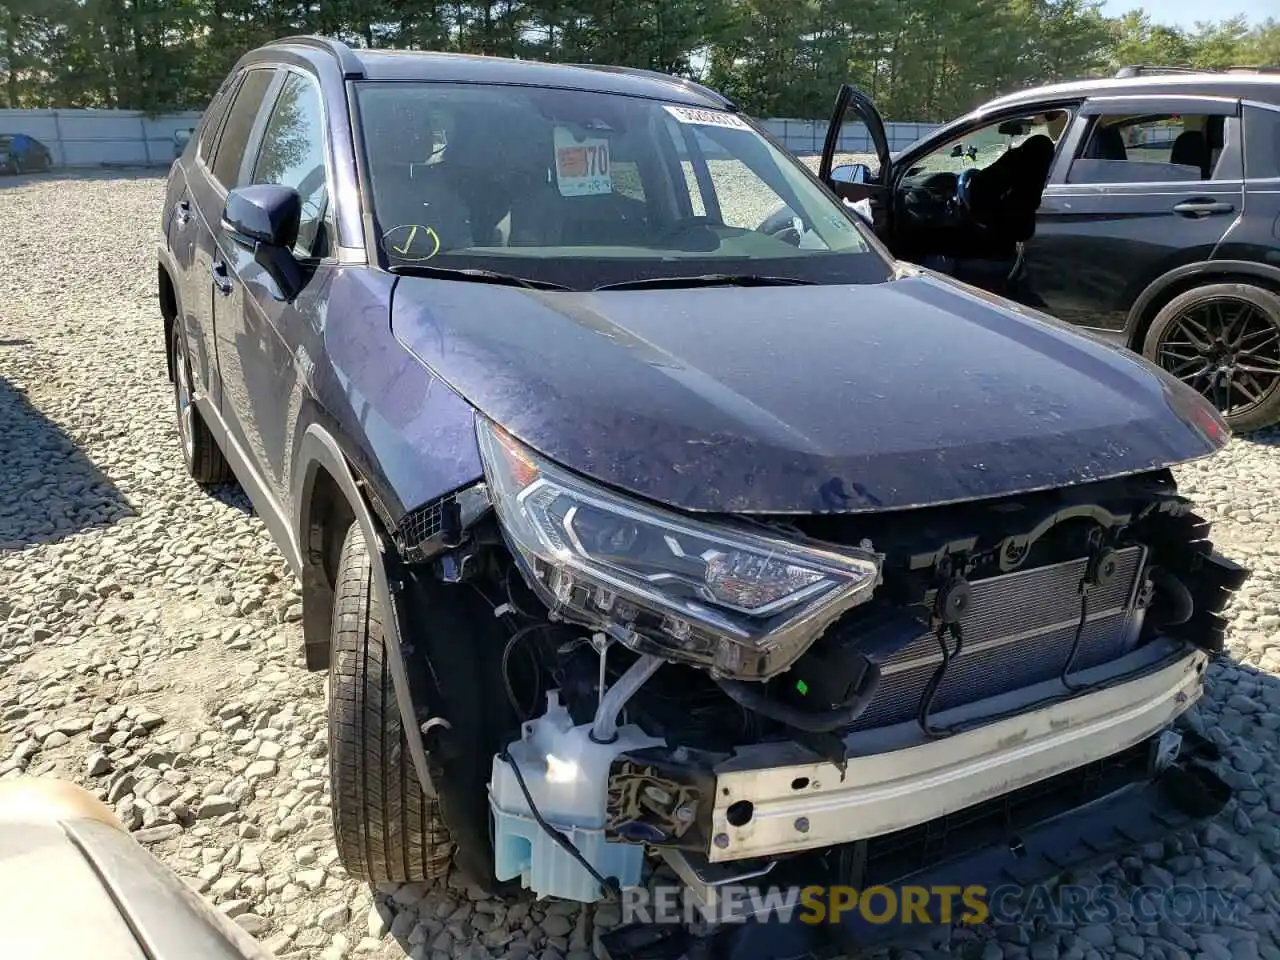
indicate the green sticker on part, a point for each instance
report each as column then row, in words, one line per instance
column 802, row 687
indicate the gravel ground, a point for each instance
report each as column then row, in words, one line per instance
column 150, row 647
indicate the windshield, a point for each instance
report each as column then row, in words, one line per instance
column 583, row 189
column 6, row 143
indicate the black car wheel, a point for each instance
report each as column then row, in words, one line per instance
column 387, row 829
column 201, row 453
column 1224, row 341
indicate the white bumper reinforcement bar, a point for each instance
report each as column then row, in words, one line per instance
column 773, row 799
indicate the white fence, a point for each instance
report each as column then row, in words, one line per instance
column 91, row 138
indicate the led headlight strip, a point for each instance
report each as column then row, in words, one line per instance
column 742, row 604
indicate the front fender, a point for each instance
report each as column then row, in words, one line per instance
column 320, row 451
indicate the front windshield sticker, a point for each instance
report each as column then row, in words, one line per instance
column 708, row 118
column 582, row 165
column 411, row 241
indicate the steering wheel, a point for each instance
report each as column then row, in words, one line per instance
column 782, row 225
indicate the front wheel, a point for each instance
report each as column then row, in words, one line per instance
column 386, row 828
column 1223, row 340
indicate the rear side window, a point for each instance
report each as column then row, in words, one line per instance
column 213, row 115
column 1261, row 143
column 229, row 159
column 292, row 154
column 1164, row 148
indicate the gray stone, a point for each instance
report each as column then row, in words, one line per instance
column 1097, row 935
column 97, row 764
column 156, row 834
column 253, row 924
column 1134, row 946
column 311, row 879
column 556, row 925
column 214, row 806
column 334, row 918
column 260, row 770
column 403, row 924
column 380, row 919
column 233, row 908
column 70, row 726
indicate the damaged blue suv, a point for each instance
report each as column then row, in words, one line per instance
column 635, row 521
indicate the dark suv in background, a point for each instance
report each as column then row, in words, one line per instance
column 1145, row 206
column 629, row 523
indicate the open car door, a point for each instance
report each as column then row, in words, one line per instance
column 859, row 181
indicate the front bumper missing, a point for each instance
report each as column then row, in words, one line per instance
column 773, row 799
column 1061, row 828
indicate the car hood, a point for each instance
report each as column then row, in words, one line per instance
column 803, row 399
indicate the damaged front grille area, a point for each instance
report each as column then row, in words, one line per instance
column 1019, row 630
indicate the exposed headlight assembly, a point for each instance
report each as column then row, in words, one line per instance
column 743, row 604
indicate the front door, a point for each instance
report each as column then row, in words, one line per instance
column 1147, row 184
column 259, row 321
column 855, row 156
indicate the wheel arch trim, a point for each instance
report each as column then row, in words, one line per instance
column 320, row 449
column 167, row 268
column 1204, row 271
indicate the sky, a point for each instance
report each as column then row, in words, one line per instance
column 1184, row 13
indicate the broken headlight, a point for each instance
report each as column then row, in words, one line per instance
column 741, row 603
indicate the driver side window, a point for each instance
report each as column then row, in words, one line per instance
column 292, row 155
column 978, row 149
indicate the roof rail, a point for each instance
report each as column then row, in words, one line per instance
column 1148, row 71
column 1139, row 70
column 352, row 68
column 690, row 85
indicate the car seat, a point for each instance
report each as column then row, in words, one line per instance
column 1191, row 149
column 406, row 189
column 1106, row 143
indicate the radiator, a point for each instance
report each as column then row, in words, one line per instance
column 1018, row 632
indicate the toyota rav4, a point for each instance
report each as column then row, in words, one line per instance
column 626, row 527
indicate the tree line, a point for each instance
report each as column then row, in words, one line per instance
column 924, row 60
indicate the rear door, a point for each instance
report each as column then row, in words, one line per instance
column 855, row 162
column 191, row 241
column 1145, row 184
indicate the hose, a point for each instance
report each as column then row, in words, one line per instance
column 604, row 729
column 753, row 697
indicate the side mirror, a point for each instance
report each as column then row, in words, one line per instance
column 264, row 213
column 851, row 173
column 264, row 217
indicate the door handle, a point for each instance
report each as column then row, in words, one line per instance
column 182, row 213
column 1201, row 208
column 221, row 279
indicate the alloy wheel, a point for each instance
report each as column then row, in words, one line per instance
column 1225, row 348
column 182, row 398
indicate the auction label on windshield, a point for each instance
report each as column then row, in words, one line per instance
column 582, row 166
column 707, row 118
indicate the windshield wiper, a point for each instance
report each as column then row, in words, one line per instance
column 473, row 274
column 706, row 280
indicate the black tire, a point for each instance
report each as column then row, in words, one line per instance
column 201, row 453
column 386, row 828
column 1223, row 340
